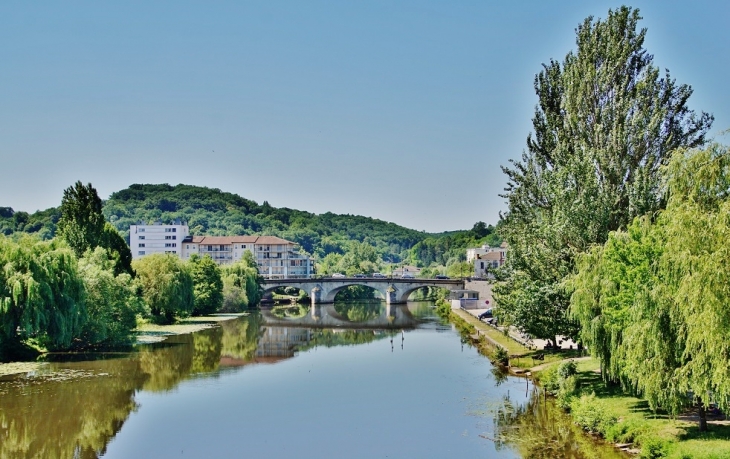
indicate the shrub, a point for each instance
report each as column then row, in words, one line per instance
column 626, row 431
column 501, row 356
column 550, row 380
column 654, row 448
column 567, row 369
column 591, row 414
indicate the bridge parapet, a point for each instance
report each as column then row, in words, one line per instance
column 324, row 290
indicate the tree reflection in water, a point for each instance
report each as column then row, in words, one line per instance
column 540, row 430
column 74, row 409
column 360, row 311
column 72, row 413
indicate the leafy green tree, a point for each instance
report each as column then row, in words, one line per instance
column 241, row 284
column 605, row 123
column 460, row 269
column 41, row 295
column 166, row 284
column 207, row 285
column 652, row 302
column 82, row 222
column 83, row 226
column 111, row 302
column 117, row 249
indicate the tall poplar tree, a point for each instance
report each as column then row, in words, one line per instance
column 605, row 122
column 83, row 226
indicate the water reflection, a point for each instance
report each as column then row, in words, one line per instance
column 74, row 409
column 540, row 430
column 71, row 413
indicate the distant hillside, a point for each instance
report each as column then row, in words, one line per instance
column 211, row 211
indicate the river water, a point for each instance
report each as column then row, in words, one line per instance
column 347, row 380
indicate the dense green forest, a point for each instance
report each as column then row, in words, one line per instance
column 210, row 211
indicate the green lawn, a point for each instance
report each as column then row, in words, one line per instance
column 636, row 422
column 512, row 346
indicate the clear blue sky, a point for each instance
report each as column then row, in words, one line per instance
column 402, row 111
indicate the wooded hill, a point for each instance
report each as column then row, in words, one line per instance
column 211, row 211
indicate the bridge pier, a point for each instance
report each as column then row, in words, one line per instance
column 316, row 295
column 391, row 296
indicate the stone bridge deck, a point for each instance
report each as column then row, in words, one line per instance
column 396, row 290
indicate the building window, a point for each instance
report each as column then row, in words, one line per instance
column 187, row 246
column 243, row 246
column 141, row 237
column 141, row 245
column 141, row 230
column 141, row 252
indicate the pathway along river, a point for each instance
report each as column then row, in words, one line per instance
column 388, row 382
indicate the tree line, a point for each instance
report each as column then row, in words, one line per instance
column 617, row 221
column 210, row 211
column 82, row 290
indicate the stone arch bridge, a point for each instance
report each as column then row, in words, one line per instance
column 394, row 290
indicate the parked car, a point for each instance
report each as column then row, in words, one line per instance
column 407, row 276
column 338, row 275
column 486, row 314
column 441, row 276
column 359, row 276
column 379, row 276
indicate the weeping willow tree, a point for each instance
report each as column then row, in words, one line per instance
column 41, row 295
column 241, row 284
column 654, row 303
column 167, row 286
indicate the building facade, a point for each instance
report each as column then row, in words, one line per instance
column 158, row 238
column 275, row 257
column 485, row 258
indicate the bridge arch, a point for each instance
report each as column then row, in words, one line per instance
column 329, row 297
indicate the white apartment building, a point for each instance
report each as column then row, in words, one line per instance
column 276, row 257
column 158, row 238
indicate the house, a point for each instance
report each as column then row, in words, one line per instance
column 485, row 258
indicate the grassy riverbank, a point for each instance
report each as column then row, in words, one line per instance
column 603, row 409
column 521, row 358
column 606, row 410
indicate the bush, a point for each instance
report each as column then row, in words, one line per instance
column 550, row 380
column 567, row 369
column 626, row 431
column 568, row 389
column 654, row 448
column 501, row 356
column 591, row 414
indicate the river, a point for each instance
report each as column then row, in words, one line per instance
column 349, row 380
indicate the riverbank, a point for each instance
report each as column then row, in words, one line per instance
column 627, row 421
column 522, row 359
column 600, row 409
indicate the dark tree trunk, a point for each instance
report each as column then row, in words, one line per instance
column 703, row 417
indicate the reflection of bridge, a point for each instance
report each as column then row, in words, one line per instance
column 393, row 290
column 325, row 316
